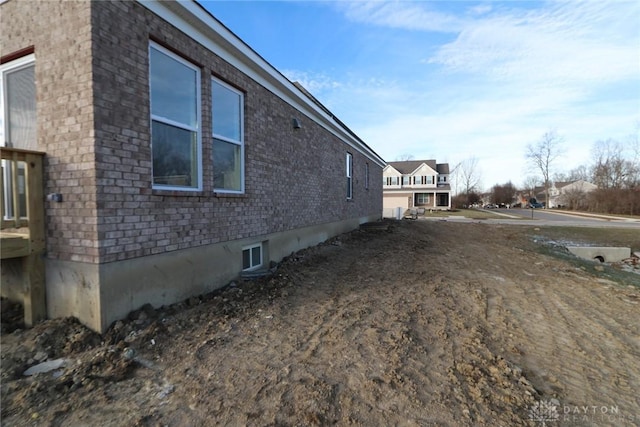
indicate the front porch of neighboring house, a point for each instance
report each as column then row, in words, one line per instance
column 22, row 231
column 433, row 200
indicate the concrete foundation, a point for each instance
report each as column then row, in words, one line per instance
column 604, row 254
column 99, row 294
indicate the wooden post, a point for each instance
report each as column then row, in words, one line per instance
column 33, row 271
column 35, row 308
column 26, row 237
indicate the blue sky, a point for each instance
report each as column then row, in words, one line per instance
column 451, row 80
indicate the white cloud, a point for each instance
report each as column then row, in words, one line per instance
column 510, row 74
column 315, row 83
column 568, row 42
column 480, row 9
column 405, row 15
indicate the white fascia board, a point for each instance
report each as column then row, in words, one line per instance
column 192, row 20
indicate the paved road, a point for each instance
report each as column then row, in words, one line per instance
column 549, row 217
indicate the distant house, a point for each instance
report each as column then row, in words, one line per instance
column 416, row 184
column 175, row 157
column 570, row 194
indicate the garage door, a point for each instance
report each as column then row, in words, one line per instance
column 396, row 201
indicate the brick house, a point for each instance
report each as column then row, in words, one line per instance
column 180, row 155
column 416, row 183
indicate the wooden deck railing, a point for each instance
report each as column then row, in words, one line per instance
column 22, row 228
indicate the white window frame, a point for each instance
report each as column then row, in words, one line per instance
column 164, row 120
column 239, row 142
column 11, row 66
column 349, row 173
column 250, row 249
column 16, row 64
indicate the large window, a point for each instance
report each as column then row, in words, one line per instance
column 422, row 199
column 17, row 124
column 349, row 172
column 228, row 138
column 175, row 121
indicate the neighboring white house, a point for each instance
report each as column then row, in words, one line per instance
column 569, row 194
column 416, row 183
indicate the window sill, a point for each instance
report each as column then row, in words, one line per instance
column 230, row 195
column 178, row 193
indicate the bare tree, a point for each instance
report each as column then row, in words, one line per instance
column 503, row 194
column 543, row 154
column 530, row 183
column 610, row 167
column 404, row 157
column 469, row 174
column 579, row 173
column 574, row 198
column 616, row 172
column 560, row 177
column 529, row 186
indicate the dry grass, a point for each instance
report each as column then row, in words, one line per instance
column 467, row 213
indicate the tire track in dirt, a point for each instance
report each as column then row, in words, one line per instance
column 572, row 342
column 428, row 324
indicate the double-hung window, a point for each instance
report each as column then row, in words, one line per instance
column 228, row 137
column 175, row 121
column 17, row 125
column 349, row 171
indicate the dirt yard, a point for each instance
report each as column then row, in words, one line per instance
column 424, row 324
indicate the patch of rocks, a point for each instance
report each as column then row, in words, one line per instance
column 631, row 264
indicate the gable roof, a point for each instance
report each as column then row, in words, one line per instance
column 442, row 168
column 410, row 166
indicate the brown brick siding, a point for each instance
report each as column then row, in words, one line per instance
column 61, row 35
column 99, row 154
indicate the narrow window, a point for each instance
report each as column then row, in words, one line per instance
column 349, row 171
column 366, row 176
column 175, row 121
column 228, row 139
column 252, row 257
